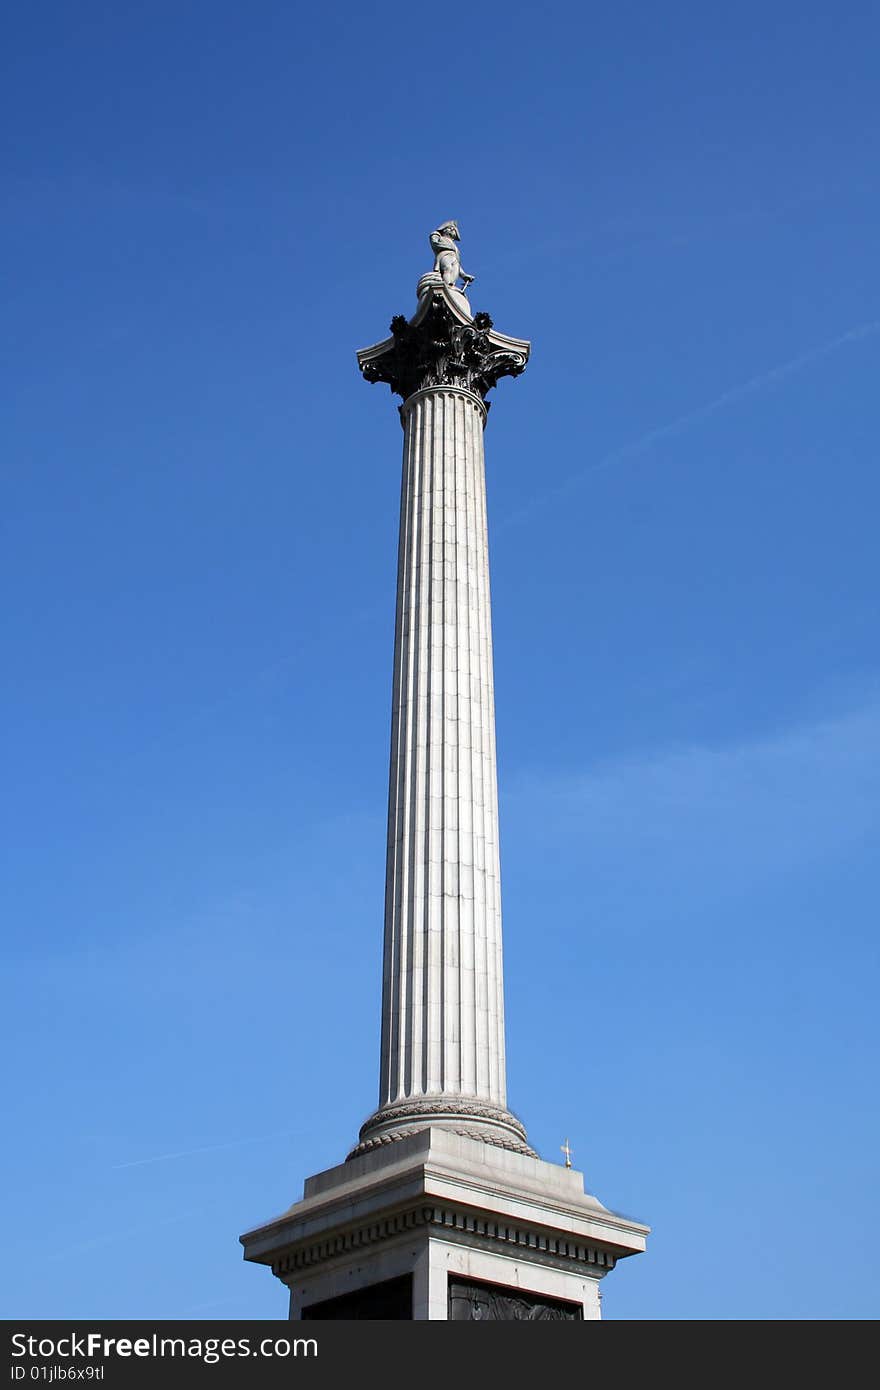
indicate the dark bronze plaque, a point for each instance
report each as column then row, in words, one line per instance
column 390, row 1299
column 470, row 1301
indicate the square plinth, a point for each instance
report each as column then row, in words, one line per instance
column 440, row 1226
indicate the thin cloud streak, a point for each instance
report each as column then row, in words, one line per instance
column 706, row 816
column 110, row 1238
column 702, row 412
column 207, row 1149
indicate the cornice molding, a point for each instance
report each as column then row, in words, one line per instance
column 560, row 1250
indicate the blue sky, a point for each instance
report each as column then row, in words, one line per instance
column 207, row 209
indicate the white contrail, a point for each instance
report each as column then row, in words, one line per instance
column 208, row 1148
column 127, row 1234
column 735, row 393
column 755, row 383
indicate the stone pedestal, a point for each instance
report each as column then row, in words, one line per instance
column 440, row 1226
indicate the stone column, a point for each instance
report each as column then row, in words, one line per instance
column 443, row 1005
column 442, row 1211
column 442, row 1052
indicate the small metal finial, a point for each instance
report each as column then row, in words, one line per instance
column 566, row 1149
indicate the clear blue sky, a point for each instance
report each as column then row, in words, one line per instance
column 208, row 208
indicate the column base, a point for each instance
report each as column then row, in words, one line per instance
column 470, row 1117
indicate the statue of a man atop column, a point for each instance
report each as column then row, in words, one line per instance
column 447, row 261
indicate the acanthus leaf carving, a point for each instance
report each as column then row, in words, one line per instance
column 439, row 350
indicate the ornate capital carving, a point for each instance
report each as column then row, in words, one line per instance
column 441, row 345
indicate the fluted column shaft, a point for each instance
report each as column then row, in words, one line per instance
column 443, row 1005
column 442, row 1059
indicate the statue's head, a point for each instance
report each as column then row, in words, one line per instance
column 449, row 229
